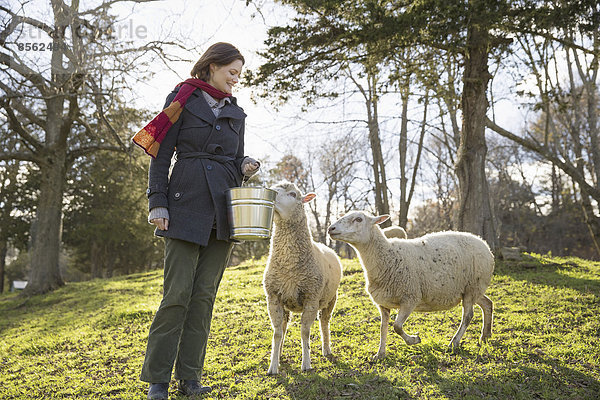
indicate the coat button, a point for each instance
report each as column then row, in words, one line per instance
column 209, row 167
column 177, row 195
column 218, row 127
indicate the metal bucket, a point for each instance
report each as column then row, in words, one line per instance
column 250, row 212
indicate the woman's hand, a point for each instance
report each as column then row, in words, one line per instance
column 250, row 166
column 161, row 223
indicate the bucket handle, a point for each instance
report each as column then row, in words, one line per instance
column 247, row 178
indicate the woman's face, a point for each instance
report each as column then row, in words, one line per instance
column 224, row 77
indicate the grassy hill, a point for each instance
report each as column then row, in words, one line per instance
column 87, row 340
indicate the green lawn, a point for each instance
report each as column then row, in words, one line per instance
column 87, row 340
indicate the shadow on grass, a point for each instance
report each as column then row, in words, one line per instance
column 549, row 274
column 398, row 376
column 549, row 381
column 345, row 383
column 60, row 309
column 429, row 372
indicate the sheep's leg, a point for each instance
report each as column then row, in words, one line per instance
column 324, row 318
column 383, row 331
column 467, row 316
column 403, row 313
column 487, row 307
column 309, row 315
column 286, row 319
column 277, row 315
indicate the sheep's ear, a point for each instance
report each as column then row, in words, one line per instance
column 380, row 219
column 309, row 197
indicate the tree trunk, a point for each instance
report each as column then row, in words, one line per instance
column 110, row 265
column 45, row 273
column 3, row 251
column 402, row 149
column 406, row 194
column 371, row 98
column 591, row 220
column 320, row 234
column 96, row 260
column 475, row 211
column 330, row 194
column 381, row 196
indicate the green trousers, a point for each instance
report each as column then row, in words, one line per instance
column 179, row 331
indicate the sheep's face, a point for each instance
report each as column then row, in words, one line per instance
column 289, row 200
column 355, row 227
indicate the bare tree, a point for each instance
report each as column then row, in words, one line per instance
column 566, row 130
column 337, row 162
column 371, row 93
column 54, row 94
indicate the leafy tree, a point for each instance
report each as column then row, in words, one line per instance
column 474, row 32
column 17, row 197
column 291, row 169
column 105, row 224
column 337, row 163
column 431, row 216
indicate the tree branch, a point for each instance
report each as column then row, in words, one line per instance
column 563, row 41
column 87, row 127
column 543, row 151
column 16, row 20
column 100, row 109
column 107, row 4
column 20, row 107
column 26, row 72
column 20, row 156
column 150, row 46
column 16, row 125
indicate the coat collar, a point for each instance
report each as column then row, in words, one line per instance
column 232, row 110
column 198, row 106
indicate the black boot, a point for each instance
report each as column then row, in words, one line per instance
column 191, row 388
column 158, row 391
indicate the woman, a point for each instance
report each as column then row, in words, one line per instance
column 203, row 125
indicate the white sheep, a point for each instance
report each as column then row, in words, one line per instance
column 431, row 273
column 395, row 232
column 301, row 276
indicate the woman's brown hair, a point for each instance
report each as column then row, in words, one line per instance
column 220, row 54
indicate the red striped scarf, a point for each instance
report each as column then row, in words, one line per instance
column 150, row 136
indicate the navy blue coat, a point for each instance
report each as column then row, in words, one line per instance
column 209, row 152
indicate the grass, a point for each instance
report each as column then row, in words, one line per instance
column 87, row 340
